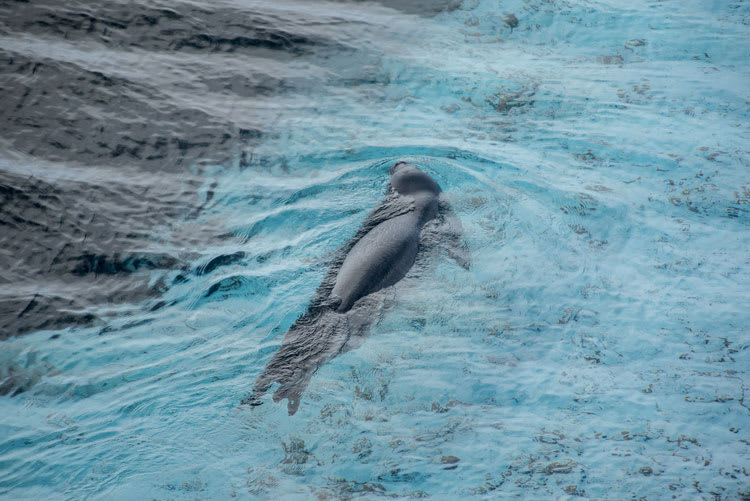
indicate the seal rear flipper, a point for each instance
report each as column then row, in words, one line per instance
column 312, row 341
column 292, row 390
column 261, row 386
column 253, row 400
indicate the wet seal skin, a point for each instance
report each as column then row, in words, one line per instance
column 413, row 217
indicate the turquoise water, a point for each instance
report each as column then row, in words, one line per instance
column 597, row 155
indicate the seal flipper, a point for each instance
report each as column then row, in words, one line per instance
column 293, row 388
column 446, row 233
column 313, row 340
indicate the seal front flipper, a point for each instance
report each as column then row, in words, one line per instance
column 446, row 233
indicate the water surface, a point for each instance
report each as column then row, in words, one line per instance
column 174, row 177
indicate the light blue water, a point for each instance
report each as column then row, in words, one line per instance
column 598, row 155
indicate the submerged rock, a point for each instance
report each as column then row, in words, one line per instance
column 511, row 20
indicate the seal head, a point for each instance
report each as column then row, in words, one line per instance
column 407, row 179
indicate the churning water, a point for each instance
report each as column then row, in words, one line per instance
column 174, row 176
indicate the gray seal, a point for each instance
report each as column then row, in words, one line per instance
column 413, row 217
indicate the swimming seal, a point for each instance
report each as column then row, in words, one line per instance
column 414, row 215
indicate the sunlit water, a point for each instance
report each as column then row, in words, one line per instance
column 598, row 157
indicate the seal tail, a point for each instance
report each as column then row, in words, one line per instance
column 313, row 340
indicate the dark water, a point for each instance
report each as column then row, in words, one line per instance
column 107, row 123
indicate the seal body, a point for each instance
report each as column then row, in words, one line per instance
column 380, row 259
column 380, row 254
column 386, row 252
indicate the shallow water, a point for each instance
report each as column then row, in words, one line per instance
column 174, row 179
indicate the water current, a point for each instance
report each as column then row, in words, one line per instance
column 175, row 176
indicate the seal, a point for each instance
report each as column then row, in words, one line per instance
column 414, row 216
